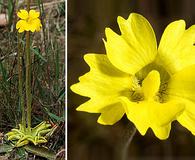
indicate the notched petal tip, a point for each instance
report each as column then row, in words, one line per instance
column 162, row 132
column 23, row 14
column 21, row 30
column 87, row 56
column 102, row 122
column 111, row 114
column 73, row 87
column 120, row 20
column 136, row 16
column 34, row 14
column 180, row 22
column 109, row 33
column 79, row 109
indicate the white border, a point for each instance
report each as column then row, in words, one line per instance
column 66, row 82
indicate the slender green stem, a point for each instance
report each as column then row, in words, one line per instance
column 28, row 5
column 20, row 80
column 28, row 75
column 28, row 80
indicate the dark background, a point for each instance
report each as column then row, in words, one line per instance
column 88, row 140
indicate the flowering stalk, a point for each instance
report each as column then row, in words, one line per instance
column 28, row 75
column 28, row 80
column 20, row 80
column 128, row 143
column 28, row 5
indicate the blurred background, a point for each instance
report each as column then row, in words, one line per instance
column 88, row 140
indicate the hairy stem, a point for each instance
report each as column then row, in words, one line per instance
column 20, row 80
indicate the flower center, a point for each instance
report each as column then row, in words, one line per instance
column 150, row 84
column 29, row 20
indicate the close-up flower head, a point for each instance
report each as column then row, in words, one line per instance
column 153, row 85
column 29, row 21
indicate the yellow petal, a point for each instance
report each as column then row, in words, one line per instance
column 27, row 26
column 23, row 14
column 182, row 84
column 132, row 30
column 38, row 27
column 176, row 48
column 21, row 30
column 33, row 14
column 187, row 120
column 20, row 24
column 35, row 25
column 103, row 79
column 162, row 114
column 162, row 132
column 136, row 113
column 151, row 84
column 103, row 84
column 132, row 50
column 95, row 105
column 157, row 116
column 32, row 27
column 111, row 114
column 182, row 87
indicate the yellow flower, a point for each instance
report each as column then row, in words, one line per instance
column 29, row 21
column 152, row 86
